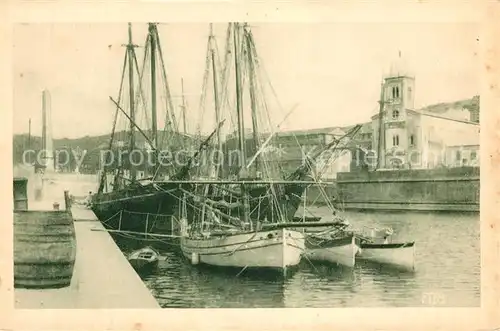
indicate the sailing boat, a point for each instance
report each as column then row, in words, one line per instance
column 219, row 229
column 284, row 195
column 335, row 244
column 142, row 204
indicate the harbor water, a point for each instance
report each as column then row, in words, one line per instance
column 447, row 272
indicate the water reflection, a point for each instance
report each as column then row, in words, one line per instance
column 179, row 284
column 447, row 260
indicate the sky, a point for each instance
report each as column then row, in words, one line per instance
column 331, row 71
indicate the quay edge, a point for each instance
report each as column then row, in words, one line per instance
column 426, row 190
column 102, row 279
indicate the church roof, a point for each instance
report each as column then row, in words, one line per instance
column 437, row 113
column 443, row 107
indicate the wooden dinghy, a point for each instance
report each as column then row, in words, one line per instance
column 379, row 248
column 144, row 259
column 401, row 255
column 340, row 250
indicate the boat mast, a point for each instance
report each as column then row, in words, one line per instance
column 239, row 101
column 44, row 123
column 184, row 124
column 253, row 103
column 154, row 121
column 216, row 94
column 152, row 40
column 130, row 49
column 241, row 126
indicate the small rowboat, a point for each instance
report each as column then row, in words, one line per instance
column 144, row 259
column 340, row 250
column 376, row 245
column 400, row 255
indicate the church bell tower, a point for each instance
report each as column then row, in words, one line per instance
column 398, row 96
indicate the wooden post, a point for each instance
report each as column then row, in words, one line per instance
column 172, row 219
column 203, row 216
column 120, row 220
column 67, row 201
column 304, row 211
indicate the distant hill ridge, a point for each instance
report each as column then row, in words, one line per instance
column 92, row 144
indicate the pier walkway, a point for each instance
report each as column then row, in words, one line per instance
column 102, row 279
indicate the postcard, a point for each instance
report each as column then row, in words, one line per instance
column 245, row 166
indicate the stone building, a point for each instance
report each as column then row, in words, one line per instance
column 406, row 137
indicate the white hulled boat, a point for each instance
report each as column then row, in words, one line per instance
column 400, row 255
column 379, row 248
column 249, row 223
column 275, row 249
column 338, row 250
column 221, row 232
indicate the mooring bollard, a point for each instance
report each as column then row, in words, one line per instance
column 55, row 205
column 67, row 200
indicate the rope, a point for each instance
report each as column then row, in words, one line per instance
column 139, row 94
column 201, row 104
column 104, row 173
column 170, row 113
column 137, row 237
column 109, row 219
column 244, row 243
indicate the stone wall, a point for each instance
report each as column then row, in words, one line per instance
column 434, row 189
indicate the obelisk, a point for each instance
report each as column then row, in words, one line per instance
column 47, row 143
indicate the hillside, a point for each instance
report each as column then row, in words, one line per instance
column 92, row 144
column 290, row 159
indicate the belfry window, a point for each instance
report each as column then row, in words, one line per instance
column 395, row 140
column 395, row 92
column 395, row 114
